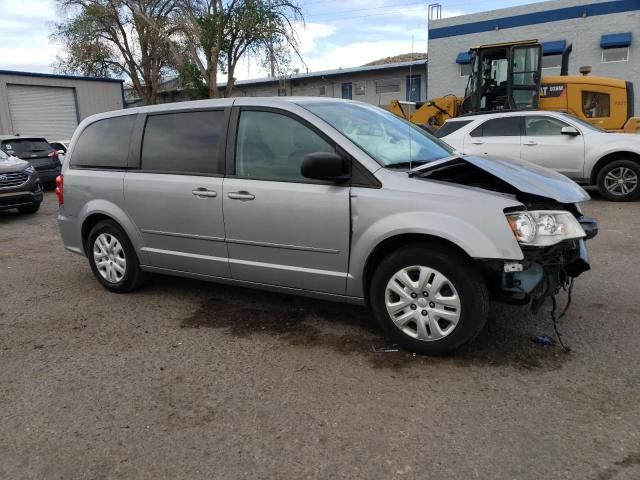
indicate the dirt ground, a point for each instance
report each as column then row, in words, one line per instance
column 192, row 380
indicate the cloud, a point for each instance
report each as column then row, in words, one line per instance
column 25, row 29
column 308, row 36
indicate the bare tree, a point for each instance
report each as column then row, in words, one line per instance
column 220, row 33
column 131, row 38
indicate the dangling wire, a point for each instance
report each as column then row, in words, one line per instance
column 562, row 314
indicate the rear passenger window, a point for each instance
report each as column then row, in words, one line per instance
column 104, row 144
column 543, row 126
column 498, row 127
column 184, row 142
column 272, row 146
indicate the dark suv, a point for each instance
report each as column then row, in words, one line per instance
column 38, row 152
column 19, row 185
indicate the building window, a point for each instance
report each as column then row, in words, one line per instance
column 552, row 61
column 620, row 54
column 595, row 104
column 465, row 69
column 323, row 90
column 359, row 88
column 388, row 86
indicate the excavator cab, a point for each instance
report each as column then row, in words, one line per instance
column 504, row 76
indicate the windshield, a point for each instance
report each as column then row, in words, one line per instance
column 582, row 123
column 388, row 139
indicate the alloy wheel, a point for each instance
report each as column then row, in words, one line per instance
column 621, row 181
column 109, row 257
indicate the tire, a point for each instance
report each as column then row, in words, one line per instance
column 122, row 272
column 33, row 208
column 462, row 280
column 626, row 170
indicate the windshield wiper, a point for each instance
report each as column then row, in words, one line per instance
column 415, row 163
column 426, row 165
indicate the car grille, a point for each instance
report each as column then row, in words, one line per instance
column 13, row 179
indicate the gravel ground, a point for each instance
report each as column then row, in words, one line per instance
column 187, row 379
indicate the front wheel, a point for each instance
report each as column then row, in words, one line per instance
column 429, row 300
column 619, row 181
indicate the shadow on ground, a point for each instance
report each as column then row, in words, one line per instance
column 349, row 330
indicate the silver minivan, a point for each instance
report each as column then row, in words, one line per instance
column 322, row 197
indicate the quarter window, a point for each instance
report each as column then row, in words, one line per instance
column 543, row 126
column 595, row 104
column 498, row 127
column 272, row 146
column 184, row 142
column 104, row 144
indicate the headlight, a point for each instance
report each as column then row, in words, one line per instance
column 541, row 228
column 29, row 169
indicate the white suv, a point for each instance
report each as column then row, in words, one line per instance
column 584, row 153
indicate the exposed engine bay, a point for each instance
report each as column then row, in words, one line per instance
column 545, row 270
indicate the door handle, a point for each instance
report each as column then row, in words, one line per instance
column 203, row 192
column 477, row 142
column 531, row 142
column 241, row 195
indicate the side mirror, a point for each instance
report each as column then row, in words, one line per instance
column 325, row 166
column 571, row 131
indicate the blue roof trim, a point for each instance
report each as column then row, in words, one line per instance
column 553, row 48
column 463, row 58
column 61, row 77
column 616, row 40
column 567, row 13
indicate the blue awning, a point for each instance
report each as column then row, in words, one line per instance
column 615, row 40
column 553, row 48
column 463, row 57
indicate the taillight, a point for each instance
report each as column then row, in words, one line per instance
column 60, row 189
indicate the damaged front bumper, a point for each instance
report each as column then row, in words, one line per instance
column 544, row 271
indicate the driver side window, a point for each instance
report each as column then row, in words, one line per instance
column 272, row 146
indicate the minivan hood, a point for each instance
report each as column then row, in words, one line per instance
column 522, row 175
column 12, row 164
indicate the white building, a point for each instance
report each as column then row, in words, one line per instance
column 604, row 35
column 51, row 106
column 375, row 84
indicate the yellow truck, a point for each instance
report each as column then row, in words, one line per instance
column 507, row 76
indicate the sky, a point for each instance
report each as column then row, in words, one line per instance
column 336, row 34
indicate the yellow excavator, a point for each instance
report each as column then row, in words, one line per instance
column 507, row 77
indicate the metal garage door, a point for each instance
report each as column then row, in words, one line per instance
column 49, row 112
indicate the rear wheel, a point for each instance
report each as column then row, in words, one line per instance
column 112, row 258
column 429, row 300
column 33, row 208
column 619, row 181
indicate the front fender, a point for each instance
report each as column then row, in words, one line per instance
column 485, row 236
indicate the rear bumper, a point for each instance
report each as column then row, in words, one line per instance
column 48, row 176
column 70, row 233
